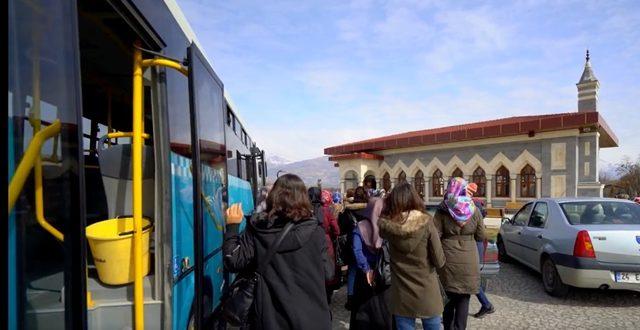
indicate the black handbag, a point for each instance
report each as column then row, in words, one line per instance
column 237, row 304
column 383, row 267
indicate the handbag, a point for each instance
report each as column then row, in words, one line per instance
column 383, row 266
column 238, row 302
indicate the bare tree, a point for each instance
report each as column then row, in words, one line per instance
column 629, row 172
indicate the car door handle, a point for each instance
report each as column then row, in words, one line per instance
column 539, row 236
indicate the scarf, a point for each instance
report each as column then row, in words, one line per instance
column 369, row 225
column 460, row 206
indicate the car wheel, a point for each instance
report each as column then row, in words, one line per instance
column 502, row 251
column 551, row 280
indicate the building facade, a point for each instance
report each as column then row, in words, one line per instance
column 512, row 159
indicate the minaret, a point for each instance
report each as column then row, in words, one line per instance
column 588, row 89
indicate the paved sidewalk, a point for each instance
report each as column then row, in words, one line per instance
column 522, row 303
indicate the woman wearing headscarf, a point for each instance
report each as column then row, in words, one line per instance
column 369, row 310
column 460, row 225
column 331, row 232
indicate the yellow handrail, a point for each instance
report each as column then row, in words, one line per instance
column 137, row 135
column 28, row 161
column 167, row 63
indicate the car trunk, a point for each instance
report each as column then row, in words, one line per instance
column 616, row 245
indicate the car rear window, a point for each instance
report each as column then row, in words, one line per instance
column 601, row 213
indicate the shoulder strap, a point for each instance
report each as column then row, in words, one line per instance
column 274, row 247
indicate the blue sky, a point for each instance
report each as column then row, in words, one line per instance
column 306, row 75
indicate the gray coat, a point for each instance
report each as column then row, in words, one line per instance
column 461, row 273
column 415, row 252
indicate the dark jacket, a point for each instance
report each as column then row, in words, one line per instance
column 461, row 272
column 347, row 221
column 416, row 253
column 292, row 294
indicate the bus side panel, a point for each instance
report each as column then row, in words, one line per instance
column 213, row 220
column 182, row 223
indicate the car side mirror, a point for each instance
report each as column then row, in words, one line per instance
column 506, row 220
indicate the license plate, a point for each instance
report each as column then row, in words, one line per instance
column 625, row 277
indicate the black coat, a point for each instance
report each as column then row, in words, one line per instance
column 292, row 294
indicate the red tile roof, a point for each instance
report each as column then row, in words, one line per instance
column 357, row 155
column 511, row 126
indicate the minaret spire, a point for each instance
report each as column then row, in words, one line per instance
column 588, row 88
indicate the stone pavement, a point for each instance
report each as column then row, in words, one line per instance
column 521, row 303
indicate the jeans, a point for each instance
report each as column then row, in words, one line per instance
column 409, row 323
column 482, row 298
column 351, row 279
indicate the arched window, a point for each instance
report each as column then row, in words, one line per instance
column 457, row 173
column 351, row 180
column 528, row 182
column 386, row 182
column 480, row 180
column 418, row 183
column 502, row 182
column 437, row 183
column 402, row 177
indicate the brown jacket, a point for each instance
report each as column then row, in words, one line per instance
column 415, row 252
column 461, row 273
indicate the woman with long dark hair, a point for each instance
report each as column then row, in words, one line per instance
column 460, row 225
column 416, row 254
column 291, row 294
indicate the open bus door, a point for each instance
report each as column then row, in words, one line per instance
column 45, row 223
column 206, row 101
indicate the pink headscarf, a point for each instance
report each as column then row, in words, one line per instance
column 368, row 227
column 326, row 198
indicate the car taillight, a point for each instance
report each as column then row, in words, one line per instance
column 583, row 247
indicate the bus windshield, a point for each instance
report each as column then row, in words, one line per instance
column 601, row 213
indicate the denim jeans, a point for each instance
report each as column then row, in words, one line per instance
column 351, row 279
column 482, row 298
column 409, row 323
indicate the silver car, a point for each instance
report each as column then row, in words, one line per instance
column 579, row 242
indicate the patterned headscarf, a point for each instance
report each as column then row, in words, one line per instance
column 460, row 206
column 326, row 198
column 337, row 197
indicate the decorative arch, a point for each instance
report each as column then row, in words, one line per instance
column 475, row 162
column 453, row 163
column 384, row 168
column 399, row 167
column 457, row 172
column 526, row 158
column 434, row 164
column 416, row 166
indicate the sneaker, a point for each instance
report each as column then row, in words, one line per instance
column 484, row 312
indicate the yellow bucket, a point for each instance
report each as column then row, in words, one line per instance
column 111, row 243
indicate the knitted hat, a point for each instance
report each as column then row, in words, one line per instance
column 472, row 187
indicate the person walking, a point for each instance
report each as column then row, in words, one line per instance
column 331, row 232
column 460, row 225
column 315, row 197
column 416, row 253
column 369, row 308
column 486, row 307
column 291, row 292
column 348, row 221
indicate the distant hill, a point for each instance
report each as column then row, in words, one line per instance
column 309, row 171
